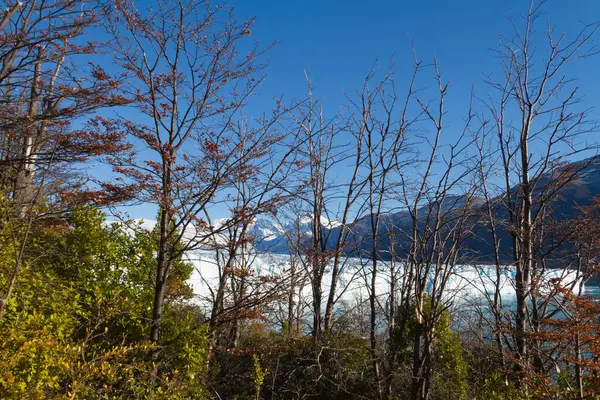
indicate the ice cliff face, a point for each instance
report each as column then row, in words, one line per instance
column 467, row 284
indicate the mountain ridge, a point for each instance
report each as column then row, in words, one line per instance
column 578, row 192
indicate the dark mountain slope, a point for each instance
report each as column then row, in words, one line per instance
column 578, row 192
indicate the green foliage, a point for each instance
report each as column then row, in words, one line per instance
column 36, row 350
column 105, row 264
column 77, row 325
column 259, row 375
column 450, row 370
column 450, row 367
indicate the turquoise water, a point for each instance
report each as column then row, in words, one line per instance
column 592, row 291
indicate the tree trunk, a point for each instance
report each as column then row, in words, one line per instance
column 23, row 191
column 317, row 299
column 163, row 261
column 417, row 365
column 291, row 300
column 164, row 251
column 525, row 254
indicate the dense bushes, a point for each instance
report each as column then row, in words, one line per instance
column 77, row 325
column 77, row 328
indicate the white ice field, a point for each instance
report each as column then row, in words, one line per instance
column 465, row 283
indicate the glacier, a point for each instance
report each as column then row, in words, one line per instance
column 467, row 284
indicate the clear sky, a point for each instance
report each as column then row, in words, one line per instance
column 340, row 40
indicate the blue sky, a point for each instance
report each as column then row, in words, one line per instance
column 340, row 40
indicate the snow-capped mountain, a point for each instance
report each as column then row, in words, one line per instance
column 266, row 228
column 572, row 196
column 272, row 236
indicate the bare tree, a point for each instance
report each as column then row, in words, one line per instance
column 384, row 142
column 538, row 126
column 417, row 248
column 190, row 82
column 440, row 209
column 326, row 144
column 259, row 189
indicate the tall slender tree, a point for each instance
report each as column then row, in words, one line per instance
column 538, row 125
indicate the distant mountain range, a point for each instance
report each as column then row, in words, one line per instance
column 273, row 237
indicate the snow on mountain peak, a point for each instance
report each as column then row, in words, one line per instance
column 308, row 220
column 267, row 229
